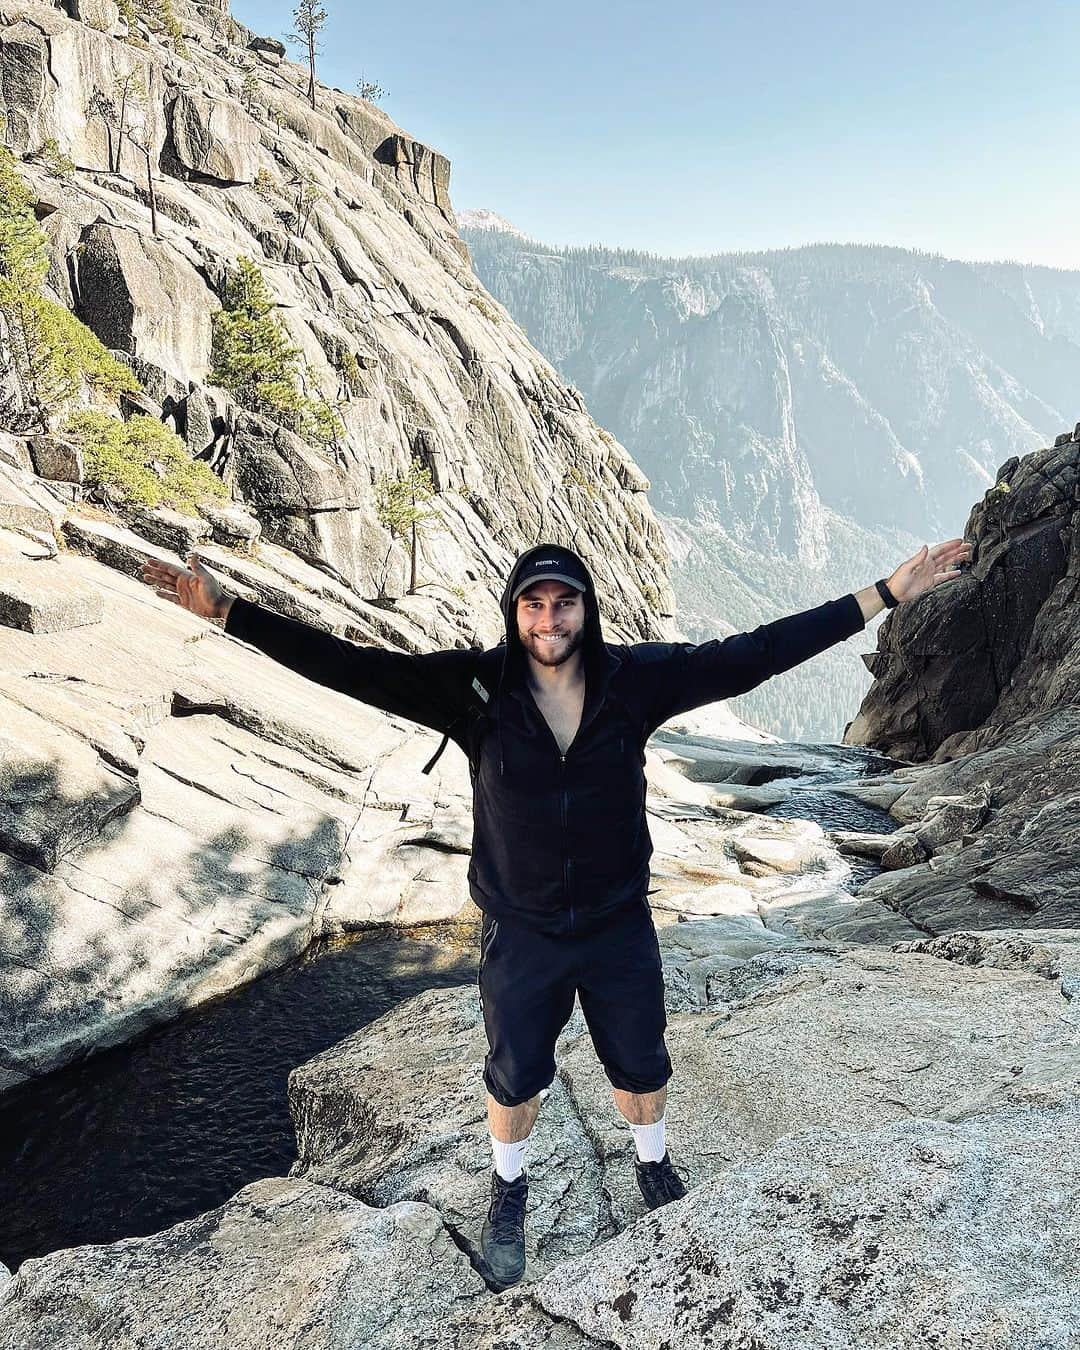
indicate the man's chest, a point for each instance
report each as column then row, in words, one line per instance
column 562, row 715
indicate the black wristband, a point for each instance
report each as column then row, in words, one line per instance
column 887, row 596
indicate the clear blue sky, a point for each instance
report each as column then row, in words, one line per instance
column 701, row 127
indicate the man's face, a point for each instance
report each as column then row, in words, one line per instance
column 551, row 621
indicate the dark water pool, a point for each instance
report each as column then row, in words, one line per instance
column 160, row 1129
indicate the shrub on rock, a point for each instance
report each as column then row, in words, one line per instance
column 52, row 353
column 141, row 462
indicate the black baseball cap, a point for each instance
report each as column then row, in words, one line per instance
column 552, row 564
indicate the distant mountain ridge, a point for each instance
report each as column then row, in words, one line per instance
column 802, row 414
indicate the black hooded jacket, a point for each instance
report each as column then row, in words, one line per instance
column 559, row 840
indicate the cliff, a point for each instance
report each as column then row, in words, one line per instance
column 979, row 681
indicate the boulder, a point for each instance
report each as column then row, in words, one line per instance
column 214, row 138
column 232, row 525
column 271, row 46
column 169, row 529
column 23, row 517
column 55, row 458
column 302, row 1264
column 134, row 401
column 142, row 296
column 201, row 419
column 859, row 844
column 762, row 855
column 14, row 451
column 41, row 598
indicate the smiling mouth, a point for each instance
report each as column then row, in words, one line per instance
column 557, row 638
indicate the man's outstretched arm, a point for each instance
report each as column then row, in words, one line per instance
column 429, row 688
column 682, row 676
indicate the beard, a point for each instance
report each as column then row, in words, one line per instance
column 552, row 653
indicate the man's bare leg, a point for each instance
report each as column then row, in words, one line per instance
column 641, row 1108
column 511, row 1124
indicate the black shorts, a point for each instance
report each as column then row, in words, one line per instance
column 527, row 985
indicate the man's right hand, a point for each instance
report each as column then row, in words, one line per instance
column 193, row 587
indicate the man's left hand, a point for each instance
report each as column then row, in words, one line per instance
column 928, row 568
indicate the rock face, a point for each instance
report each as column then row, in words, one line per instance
column 916, row 1234
column 1000, row 643
column 142, row 297
column 178, row 816
column 982, row 676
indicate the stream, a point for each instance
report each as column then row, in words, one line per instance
column 168, row 1125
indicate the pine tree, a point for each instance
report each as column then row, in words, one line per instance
column 252, row 357
column 310, row 18
column 400, row 505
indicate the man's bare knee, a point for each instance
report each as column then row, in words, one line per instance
column 511, row 1124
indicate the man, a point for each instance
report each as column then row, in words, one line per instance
column 554, row 722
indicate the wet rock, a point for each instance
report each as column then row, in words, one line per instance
column 860, row 845
column 762, row 855
column 904, row 850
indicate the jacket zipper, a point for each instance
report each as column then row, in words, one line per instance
column 566, row 857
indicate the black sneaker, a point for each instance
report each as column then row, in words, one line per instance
column 659, row 1182
column 502, row 1239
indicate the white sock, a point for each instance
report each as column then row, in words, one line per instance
column 649, row 1141
column 508, row 1157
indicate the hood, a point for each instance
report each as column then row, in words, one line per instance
column 514, row 658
